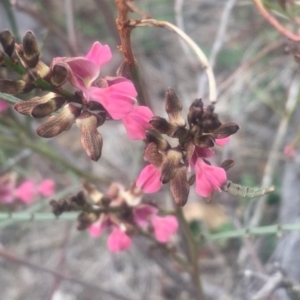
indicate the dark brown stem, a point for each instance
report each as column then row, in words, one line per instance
column 191, row 253
column 126, row 48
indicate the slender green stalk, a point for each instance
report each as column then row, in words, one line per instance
column 192, row 253
column 44, row 150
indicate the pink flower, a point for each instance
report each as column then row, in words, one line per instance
column 289, row 151
column 26, row 192
column 164, row 227
column 208, row 178
column 84, row 70
column 200, row 152
column 222, row 142
column 3, row 106
column 143, row 213
column 118, row 240
column 95, row 230
column 46, row 188
column 118, row 97
column 137, row 122
column 149, row 179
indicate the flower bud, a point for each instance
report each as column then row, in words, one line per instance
column 59, row 123
column 155, row 137
column 227, row 164
column 195, row 112
column 180, row 187
column 203, row 141
column 42, row 110
column 25, row 107
column 12, row 87
column 8, row 42
column 170, row 165
column 225, row 130
column 30, row 48
column 59, row 74
column 91, row 140
column 152, row 155
column 162, row 125
column 173, row 108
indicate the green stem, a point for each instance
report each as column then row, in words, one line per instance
column 44, row 150
column 192, row 254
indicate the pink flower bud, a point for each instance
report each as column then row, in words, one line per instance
column 46, row 188
column 26, row 192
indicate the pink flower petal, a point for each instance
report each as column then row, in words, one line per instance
column 222, row 142
column 164, row 227
column 118, row 99
column 99, row 54
column 3, row 106
column 6, row 193
column 289, row 151
column 137, row 122
column 118, row 240
column 26, row 192
column 200, row 152
column 142, row 214
column 208, row 178
column 84, row 70
column 46, row 188
column 95, row 230
column 149, row 180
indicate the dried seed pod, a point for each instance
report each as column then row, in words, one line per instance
column 155, row 137
column 8, row 42
column 173, row 108
column 59, row 123
column 91, row 140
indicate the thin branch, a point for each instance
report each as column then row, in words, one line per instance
column 272, row 161
column 275, row 23
column 34, row 13
column 126, row 48
column 200, row 54
column 69, row 12
column 20, row 261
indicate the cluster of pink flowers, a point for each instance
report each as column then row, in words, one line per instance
column 208, row 178
column 143, row 216
column 116, row 94
column 27, row 192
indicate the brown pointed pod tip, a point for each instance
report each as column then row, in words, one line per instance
column 8, row 41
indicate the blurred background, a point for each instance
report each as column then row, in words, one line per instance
column 258, row 88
